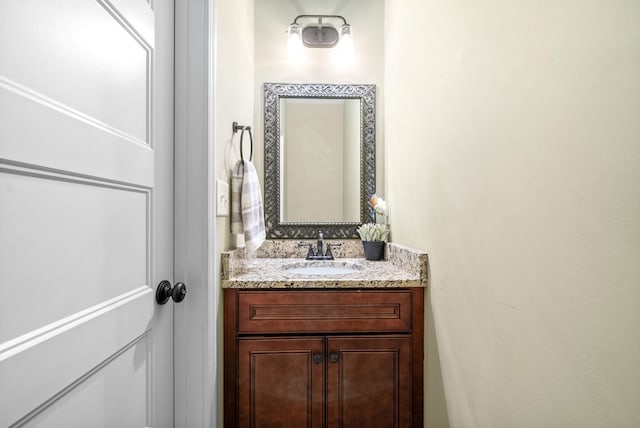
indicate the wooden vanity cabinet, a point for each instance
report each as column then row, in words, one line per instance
column 323, row 358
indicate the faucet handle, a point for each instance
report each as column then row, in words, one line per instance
column 309, row 246
column 329, row 254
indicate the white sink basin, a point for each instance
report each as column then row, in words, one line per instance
column 320, row 268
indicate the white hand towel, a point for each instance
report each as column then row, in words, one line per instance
column 247, row 212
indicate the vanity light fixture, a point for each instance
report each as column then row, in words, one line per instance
column 318, row 33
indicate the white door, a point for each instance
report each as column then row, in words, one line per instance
column 86, row 223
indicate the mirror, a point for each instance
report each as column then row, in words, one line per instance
column 319, row 159
column 320, row 163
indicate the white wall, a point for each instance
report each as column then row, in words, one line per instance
column 514, row 161
column 233, row 91
column 272, row 64
column 233, row 101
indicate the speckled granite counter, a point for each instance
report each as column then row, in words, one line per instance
column 402, row 267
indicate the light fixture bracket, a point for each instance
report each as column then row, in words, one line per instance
column 319, row 34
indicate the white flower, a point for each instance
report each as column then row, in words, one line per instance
column 381, row 206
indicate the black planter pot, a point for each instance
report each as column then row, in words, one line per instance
column 373, row 250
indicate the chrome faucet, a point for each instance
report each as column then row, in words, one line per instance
column 317, row 255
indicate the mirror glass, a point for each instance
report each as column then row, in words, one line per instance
column 319, row 159
column 320, row 155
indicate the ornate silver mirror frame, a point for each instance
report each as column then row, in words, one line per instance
column 276, row 229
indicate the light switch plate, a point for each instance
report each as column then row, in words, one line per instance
column 223, row 201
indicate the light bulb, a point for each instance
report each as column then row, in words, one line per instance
column 294, row 42
column 344, row 50
column 346, row 37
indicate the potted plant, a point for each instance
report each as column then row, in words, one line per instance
column 374, row 236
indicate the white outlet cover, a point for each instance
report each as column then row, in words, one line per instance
column 223, row 202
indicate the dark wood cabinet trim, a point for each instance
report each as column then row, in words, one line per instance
column 230, row 357
column 417, row 350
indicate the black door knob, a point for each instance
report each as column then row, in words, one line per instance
column 179, row 292
column 165, row 291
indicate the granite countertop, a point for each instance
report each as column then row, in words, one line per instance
column 401, row 268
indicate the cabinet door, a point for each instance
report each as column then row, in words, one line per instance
column 369, row 382
column 281, row 382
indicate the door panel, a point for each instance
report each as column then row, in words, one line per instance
column 86, row 48
column 99, row 398
column 38, row 132
column 86, row 225
column 279, row 384
column 57, row 387
column 369, row 382
column 75, row 225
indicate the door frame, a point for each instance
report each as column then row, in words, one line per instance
column 195, row 320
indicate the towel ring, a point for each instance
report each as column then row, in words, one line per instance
column 248, row 128
column 243, row 128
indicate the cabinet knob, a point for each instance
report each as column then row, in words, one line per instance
column 333, row 357
column 317, row 357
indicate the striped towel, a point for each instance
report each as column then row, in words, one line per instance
column 247, row 213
